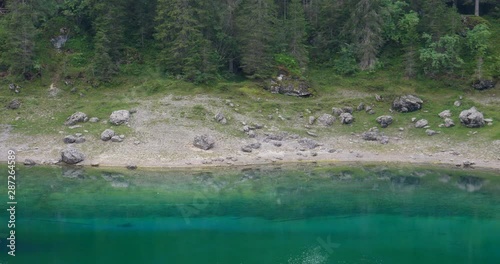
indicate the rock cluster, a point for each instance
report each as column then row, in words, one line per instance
column 285, row 84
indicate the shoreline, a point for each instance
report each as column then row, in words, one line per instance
column 253, row 161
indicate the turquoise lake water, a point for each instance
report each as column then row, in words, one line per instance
column 291, row 214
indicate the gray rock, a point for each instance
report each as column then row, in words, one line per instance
column 448, row 122
column 116, row 139
column 219, row 117
column 77, row 117
column 445, row 114
column 131, row 167
column 94, row 120
column 337, row 111
column 246, row 128
column 347, row 109
column 59, row 41
column 308, row 143
column 457, row 103
column 119, row 117
column 360, row 107
column 79, row 140
column 311, row 120
column 326, row 119
column 483, row 84
column 407, row 103
column 94, row 164
column 14, row 104
column 278, row 144
column 107, row 134
column 251, row 134
column 371, row 135
column 384, row 140
column 122, row 136
column 312, row 134
column 384, row 120
column 371, row 112
column 346, row 118
column 246, row 148
column 277, row 137
column 204, row 142
column 368, row 108
column 255, row 145
column 29, row 162
column 69, row 139
column 413, row 119
column 421, row 123
column 72, row 156
column 430, row 132
column 472, row 118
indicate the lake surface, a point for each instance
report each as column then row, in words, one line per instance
column 292, row 214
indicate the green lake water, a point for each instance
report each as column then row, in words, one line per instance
column 291, row 214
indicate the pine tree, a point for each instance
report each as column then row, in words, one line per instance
column 297, row 35
column 21, row 33
column 256, row 37
column 365, row 29
column 108, row 39
column 184, row 50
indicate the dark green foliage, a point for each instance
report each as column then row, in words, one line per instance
column 184, row 50
column 256, row 37
column 20, row 43
column 200, row 41
column 108, row 39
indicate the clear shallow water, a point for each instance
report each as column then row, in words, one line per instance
column 302, row 214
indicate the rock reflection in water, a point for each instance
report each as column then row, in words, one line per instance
column 470, row 183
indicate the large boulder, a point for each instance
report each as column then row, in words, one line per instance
column 14, row 104
column 77, row 117
column 326, row 119
column 472, row 118
column 483, row 84
column 119, row 117
column 107, row 134
column 204, row 142
column 346, row 118
column 285, row 84
column 407, row 103
column 72, row 156
column 384, row 120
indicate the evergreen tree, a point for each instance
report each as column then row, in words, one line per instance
column 256, row 37
column 184, row 50
column 297, row 35
column 108, row 39
column 365, row 29
column 21, row 33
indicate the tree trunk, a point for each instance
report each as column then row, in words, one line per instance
column 476, row 8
